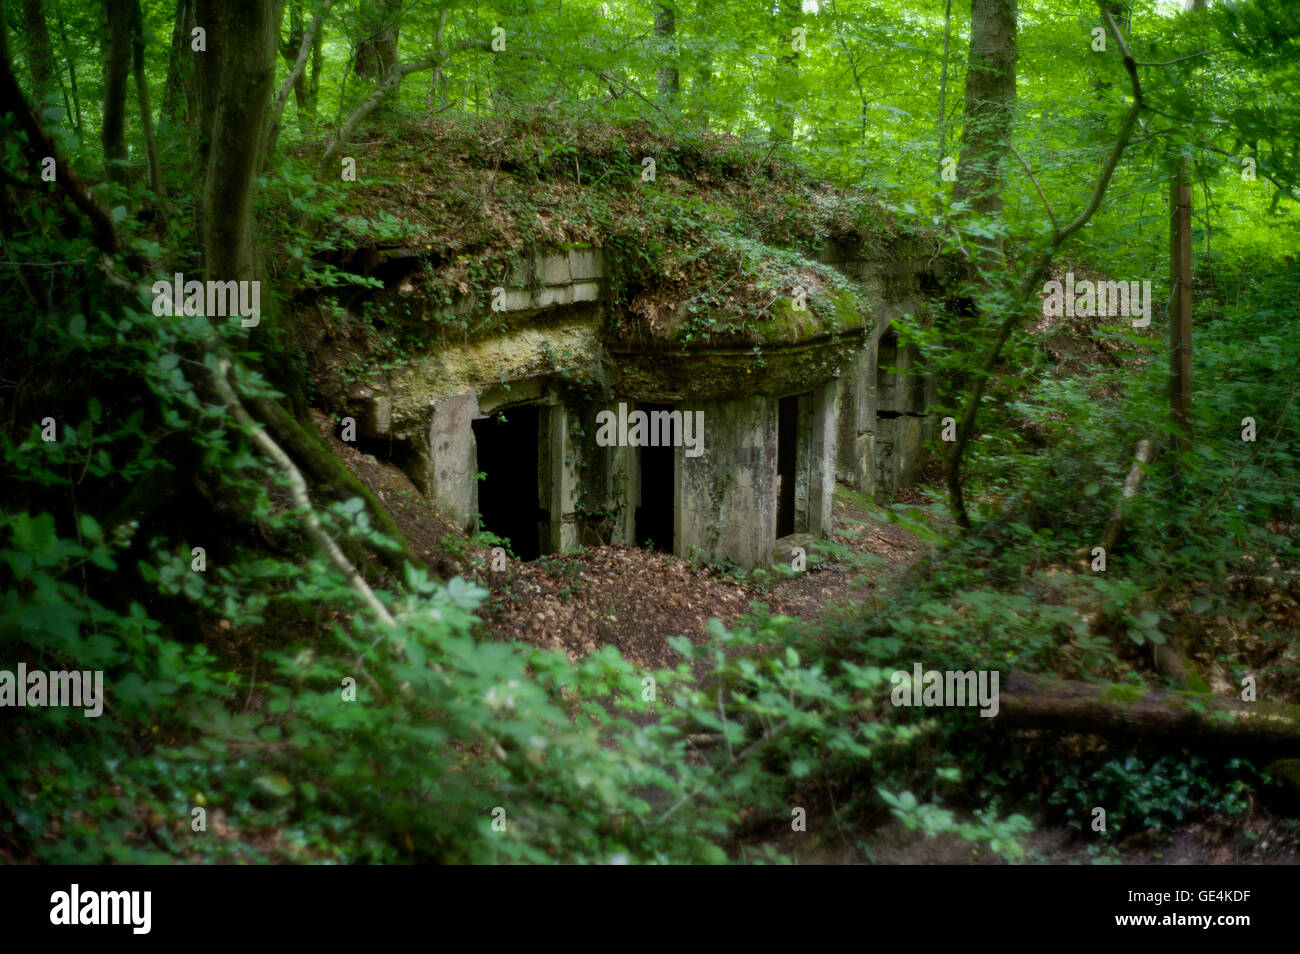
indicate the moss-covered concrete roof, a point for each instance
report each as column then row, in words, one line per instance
column 719, row 248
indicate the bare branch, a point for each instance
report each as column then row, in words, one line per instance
column 1029, row 172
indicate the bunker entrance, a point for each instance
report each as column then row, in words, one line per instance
column 509, row 454
column 793, row 463
column 654, row 518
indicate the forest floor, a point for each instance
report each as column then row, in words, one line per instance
column 635, row 599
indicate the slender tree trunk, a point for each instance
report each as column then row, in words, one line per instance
column 666, row 34
column 943, row 98
column 210, row 16
column 116, row 69
column 289, row 51
column 174, row 84
column 782, row 130
column 438, row 82
column 990, row 101
column 306, row 42
column 1180, row 311
column 307, row 118
column 1180, row 280
column 40, row 54
column 1019, row 307
column 142, row 95
column 72, row 72
column 703, row 90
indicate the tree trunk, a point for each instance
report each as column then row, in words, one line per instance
column 782, row 131
column 703, row 90
column 210, row 16
column 40, row 54
column 943, row 102
column 1141, row 455
column 308, row 116
column 241, row 101
column 1191, row 720
column 990, row 100
column 1019, row 307
column 1180, row 280
column 177, row 103
column 666, row 34
column 289, row 51
column 116, row 67
column 377, row 51
column 307, row 39
column 437, row 98
column 142, row 95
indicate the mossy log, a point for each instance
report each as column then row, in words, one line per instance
column 1185, row 719
column 314, row 457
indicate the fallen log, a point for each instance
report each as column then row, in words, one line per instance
column 1190, row 720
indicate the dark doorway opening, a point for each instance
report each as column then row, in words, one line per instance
column 386, row 449
column 787, row 456
column 508, row 495
column 654, row 518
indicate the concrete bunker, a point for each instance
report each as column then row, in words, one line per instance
column 521, row 407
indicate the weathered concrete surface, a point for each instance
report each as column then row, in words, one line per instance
column 854, row 416
column 444, row 461
column 557, row 478
column 725, row 500
column 675, row 375
column 570, row 350
column 821, row 483
column 878, row 451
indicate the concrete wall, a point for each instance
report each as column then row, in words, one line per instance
column 884, row 415
column 444, row 461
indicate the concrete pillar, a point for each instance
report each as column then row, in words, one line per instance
column 803, row 460
column 559, row 484
column 825, row 433
column 725, row 499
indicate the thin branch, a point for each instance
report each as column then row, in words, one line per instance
column 1178, row 59
column 387, row 86
column 298, row 492
column 1029, row 172
column 1286, row 190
